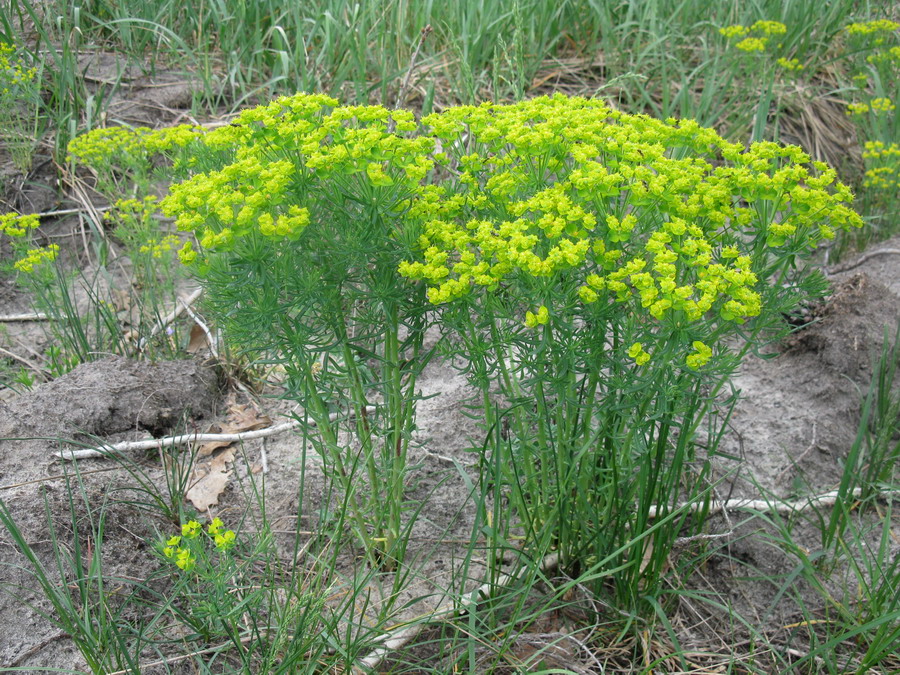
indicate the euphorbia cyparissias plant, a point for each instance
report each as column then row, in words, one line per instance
column 571, row 251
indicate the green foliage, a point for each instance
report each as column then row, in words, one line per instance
column 298, row 216
column 19, row 101
column 575, row 254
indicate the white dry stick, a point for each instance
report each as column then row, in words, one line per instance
column 6, row 318
column 264, row 458
column 210, row 338
column 69, row 212
column 184, row 439
column 398, row 638
column 180, row 307
column 778, row 506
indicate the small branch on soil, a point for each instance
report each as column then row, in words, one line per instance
column 264, row 458
column 398, row 638
column 183, row 439
column 210, row 338
column 813, row 444
column 87, row 206
column 59, row 476
column 40, row 646
column 404, row 88
column 22, row 359
column 7, row 318
column 70, row 212
column 778, row 506
column 180, row 307
column 861, row 260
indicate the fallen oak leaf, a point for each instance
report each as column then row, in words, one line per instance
column 208, row 481
column 240, row 418
column 247, row 418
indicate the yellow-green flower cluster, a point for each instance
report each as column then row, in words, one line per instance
column 16, row 225
column 12, row 74
column 222, row 538
column 183, row 553
column 636, row 352
column 890, row 56
column 756, row 37
column 789, row 64
column 878, row 150
column 182, row 557
column 36, row 257
column 280, row 152
column 872, row 27
column 876, row 105
column 132, row 210
column 167, row 244
column 533, row 320
column 109, row 146
column 734, row 31
column 638, row 209
column 752, row 44
column 768, row 28
column 700, row 356
column 885, row 175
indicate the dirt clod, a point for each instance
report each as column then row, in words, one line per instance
column 113, row 395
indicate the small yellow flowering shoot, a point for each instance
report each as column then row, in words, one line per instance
column 185, row 560
column 191, row 529
column 872, row 27
column 36, row 257
column 700, row 356
column 533, row 320
column 755, row 38
column 752, row 44
column 15, row 225
column 637, row 353
column 190, row 549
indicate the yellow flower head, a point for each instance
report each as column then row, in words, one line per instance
column 191, row 529
column 533, row 320
column 700, row 356
column 185, row 560
column 637, row 353
column 36, row 257
column 752, row 44
column 224, row 540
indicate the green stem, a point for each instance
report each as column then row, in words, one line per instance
column 363, row 425
column 318, row 411
column 397, row 440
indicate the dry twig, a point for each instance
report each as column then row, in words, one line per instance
column 184, row 439
column 861, row 260
column 8, row 318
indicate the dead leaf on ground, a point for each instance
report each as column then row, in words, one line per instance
column 198, row 341
column 209, row 480
column 241, row 417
